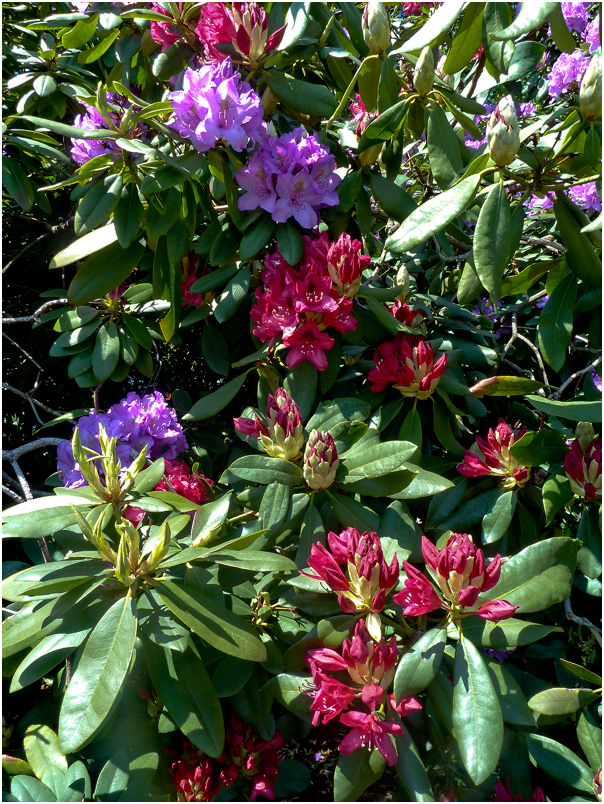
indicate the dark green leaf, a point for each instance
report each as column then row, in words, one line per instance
column 444, row 150
column 508, row 633
column 579, row 411
column 417, row 667
column 356, row 772
column 499, row 519
column 233, row 296
column 215, row 401
column 98, row 204
column 556, row 322
column 264, row 470
column 530, row 17
column 545, row 446
column 106, row 351
column 491, row 240
column 466, row 41
column 375, row 460
column 290, row 243
column 580, row 253
column 215, row 349
column 103, row 271
column 560, row 762
column 113, row 778
column 302, row 96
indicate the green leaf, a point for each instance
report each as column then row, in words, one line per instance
column 508, row 633
column 209, row 518
column 444, row 151
column 215, row 349
column 106, row 351
column 113, row 778
column 302, row 96
column 214, row 402
column 376, row 460
column 396, row 202
column 466, row 41
column 16, row 184
column 105, row 270
column 384, row 126
column 409, row 766
column 254, row 560
column 582, row 672
column 491, row 240
column 561, row 35
column 70, row 131
column 417, row 667
column 589, row 733
column 84, row 246
column 99, row 675
column 436, row 24
column 274, row 506
column 77, row 783
column 560, row 762
column 562, row 700
column 311, row 532
column 256, row 238
column 329, row 414
column 544, row 446
column 355, row 772
column 158, row 624
column 82, row 31
column 186, row 689
column 580, row 253
column 497, row 16
column 264, row 470
column 45, row 656
column 45, row 757
column 433, row 215
column 95, row 53
column 44, row 578
column 128, row 216
column 217, row 625
column 579, row 411
column 539, row 576
column 98, row 204
column 233, row 296
column 505, row 386
column 424, row 484
column 389, row 85
column 557, row 494
column 290, row 243
column 530, row 17
column 499, row 519
column 477, row 717
column 28, row 788
column 556, row 322
column 352, row 513
column 301, row 384
column 15, row 767
column 514, row 707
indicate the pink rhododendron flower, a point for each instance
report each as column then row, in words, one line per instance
column 283, row 435
column 189, row 268
column 369, row 730
column 408, row 362
column 346, row 264
column 361, row 116
column 244, row 26
column 321, row 461
column 179, row 479
column 410, row 318
column 498, row 459
column 584, row 469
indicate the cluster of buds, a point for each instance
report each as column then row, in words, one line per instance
column 498, row 459
column 462, row 574
column 200, row 778
column 590, row 93
column 244, row 26
column 283, row 434
column 376, row 28
column 423, row 76
column 320, row 461
column 503, row 132
column 131, row 562
column 370, row 667
column 368, row 580
column 346, row 264
column 583, row 464
column 408, row 362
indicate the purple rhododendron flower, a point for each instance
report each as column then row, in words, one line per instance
column 568, row 68
column 597, row 379
column 490, row 311
column 135, row 422
column 586, row 196
column 575, row 15
column 83, row 151
column 537, row 204
column 592, row 34
column 290, row 176
column 214, row 104
column 500, row 655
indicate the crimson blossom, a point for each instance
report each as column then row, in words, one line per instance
column 583, row 467
column 283, row 434
column 503, row 792
column 498, row 459
column 299, row 303
column 244, row 26
column 461, row 573
column 408, row 362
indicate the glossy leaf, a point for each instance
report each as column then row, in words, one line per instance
column 466, row 41
column 98, row 204
column 103, row 271
column 499, row 519
column 418, row 666
column 443, row 149
column 578, row 411
column 491, row 240
column 264, row 470
column 435, row 25
column 545, row 446
column 302, row 96
column 560, row 762
column 530, row 17
column 556, row 322
column 562, row 700
column 215, row 401
column 355, row 772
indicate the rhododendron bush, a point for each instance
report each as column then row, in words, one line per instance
column 303, row 455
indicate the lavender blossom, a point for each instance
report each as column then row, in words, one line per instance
column 83, row 151
column 214, row 104
column 290, row 176
column 568, row 68
column 136, row 423
column 540, row 303
column 592, row 34
column 575, row 15
column 586, row 196
column 490, row 311
column 597, row 379
column 537, row 204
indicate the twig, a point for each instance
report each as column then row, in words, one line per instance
column 574, row 377
column 532, row 347
column 535, row 297
column 95, row 396
column 31, row 399
column 570, row 615
column 51, row 230
column 455, row 258
column 22, row 350
column 24, row 319
column 477, row 74
column 28, row 495
column 17, row 452
column 17, row 497
column 538, row 241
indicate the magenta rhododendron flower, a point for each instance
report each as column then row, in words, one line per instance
column 413, row 9
column 503, row 792
column 360, row 115
column 408, row 362
column 290, row 176
column 583, row 468
column 498, row 459
column 213, row 105
column 369, row 730
column 346, row 264
column 461, row 573
column 410, row 318
column 244, row 26
column 283, row 435
column 299, row 303
column 179, row 479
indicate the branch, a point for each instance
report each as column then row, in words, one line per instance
column 31, row 399
column 570, row 615
column 549, row 244
column 51, row 230
column 15, row 454
column 24, row 319
column 574, row 377
column 10, row 493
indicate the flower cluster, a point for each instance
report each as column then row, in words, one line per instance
column 567, row 71
column 461, row 573
column 169, row 32
column 213, row 105
column 136, row 422
column 83, row 151
column 575, row 15
column 298, row 304
column 586, row 196
column 355, row 567
column 367, row 665
column 503, row 792
column 592, row 34
column 244, row 26
column 410, row 318
column 321, row 461
column 291, row 175
column 408, row 362
column 498, row 459
column 583, row 464
column 200, row 778
column 283, row 434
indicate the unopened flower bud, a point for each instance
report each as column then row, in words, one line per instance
column 286, row 432
column 503, row 133
column 402, row 279
column 590, row 94
column 160, row 547
column 320, row 461
column 585, row 434
column 423, row 77
column 376, row 28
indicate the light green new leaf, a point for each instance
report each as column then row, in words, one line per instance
column 84, row 246
column 477, row 714
column 99, row 675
